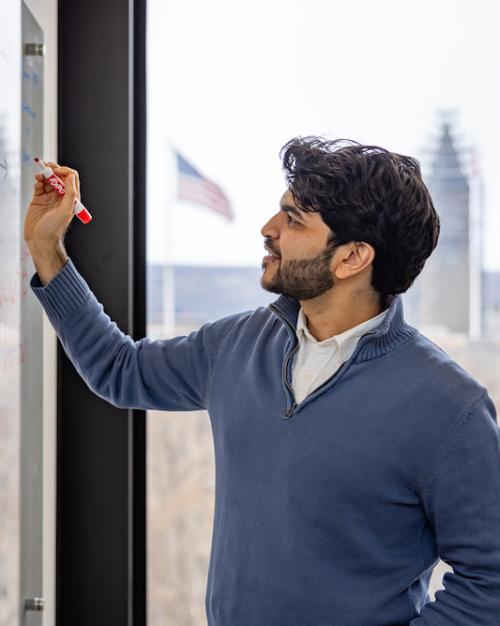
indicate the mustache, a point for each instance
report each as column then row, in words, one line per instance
column 268, row 244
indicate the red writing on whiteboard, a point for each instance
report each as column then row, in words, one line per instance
column 12, row 358
column 8, row 294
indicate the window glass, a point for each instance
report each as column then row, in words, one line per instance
column 228, row 85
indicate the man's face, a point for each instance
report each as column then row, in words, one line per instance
column 303, row 269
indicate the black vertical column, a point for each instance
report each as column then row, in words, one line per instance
column 101, row 483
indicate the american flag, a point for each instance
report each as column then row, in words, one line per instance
column 194, row 187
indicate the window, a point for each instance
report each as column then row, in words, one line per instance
column 229, row 84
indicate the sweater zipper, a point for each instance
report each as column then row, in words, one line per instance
column 285, row 378
column 290, row 411
column 312, row 395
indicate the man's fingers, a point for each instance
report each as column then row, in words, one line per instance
column 52, row 164
column 39, row 188
column 40, row 185
column 63, row 170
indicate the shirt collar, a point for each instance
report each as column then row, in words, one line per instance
column 388, row 336
column 345, row 341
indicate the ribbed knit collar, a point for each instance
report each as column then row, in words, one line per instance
column 391, row 332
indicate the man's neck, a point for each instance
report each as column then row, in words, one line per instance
column 332, row 314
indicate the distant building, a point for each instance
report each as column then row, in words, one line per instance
column 447, row 295
column 491, row 304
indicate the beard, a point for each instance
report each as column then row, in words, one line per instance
column 301, row 279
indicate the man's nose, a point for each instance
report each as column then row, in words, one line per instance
column 270, row 228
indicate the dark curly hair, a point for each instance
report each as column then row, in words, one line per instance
column 366, row 193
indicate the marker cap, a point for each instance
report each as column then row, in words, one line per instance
column 81, row 212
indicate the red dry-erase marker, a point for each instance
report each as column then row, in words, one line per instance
column 56, row 183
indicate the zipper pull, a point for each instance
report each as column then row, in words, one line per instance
column 289, row 411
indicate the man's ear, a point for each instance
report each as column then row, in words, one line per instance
column 356, row 257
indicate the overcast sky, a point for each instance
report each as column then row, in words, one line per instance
column 230, row 83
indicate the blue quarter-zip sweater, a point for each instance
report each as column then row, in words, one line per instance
column 332, row 512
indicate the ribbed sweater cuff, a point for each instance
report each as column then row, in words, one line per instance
column 64, row 293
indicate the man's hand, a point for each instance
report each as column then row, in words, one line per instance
column 50, row 214
column 47, row 220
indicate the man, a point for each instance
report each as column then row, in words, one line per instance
column 351, row 451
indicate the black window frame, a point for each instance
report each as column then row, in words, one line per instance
column 101, row 450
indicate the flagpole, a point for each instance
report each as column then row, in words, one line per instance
column 168, row 284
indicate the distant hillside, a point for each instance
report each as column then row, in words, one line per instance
column 206, row 293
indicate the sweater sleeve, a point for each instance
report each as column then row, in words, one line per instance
column 169, row 374
column 461, row 498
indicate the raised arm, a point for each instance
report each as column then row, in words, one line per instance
column 169, row 374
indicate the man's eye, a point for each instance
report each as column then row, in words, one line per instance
column 291, row 220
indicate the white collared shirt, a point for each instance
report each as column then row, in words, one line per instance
column 316, row 361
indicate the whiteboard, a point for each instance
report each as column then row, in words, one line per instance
column 10, row 307
column 31, row 340
column 21, row 317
